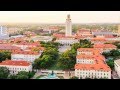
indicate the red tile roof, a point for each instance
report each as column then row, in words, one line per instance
column 104, row 46
column 15, row 63
column 25, row 52
column 103, row 67
column 8, row 47
column 99, row 60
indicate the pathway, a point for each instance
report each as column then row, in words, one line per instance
column 64, row 48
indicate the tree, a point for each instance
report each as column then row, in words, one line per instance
column 5, row 55
column 106, row 54
column 46, row 61
column 31, row 74
column 4, row 72
column 50, row 44
column 36, row 64
column 85, row 43
column 75, row 28
column 22, row 75
column 31, row 41
column 12, row 77
column 54, row 39
column 118, row 46
column 110, row 63
column 115, row 54
column 48, row 58
column 67, row 60
column 75, row 46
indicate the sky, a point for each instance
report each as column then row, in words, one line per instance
column 59, row 16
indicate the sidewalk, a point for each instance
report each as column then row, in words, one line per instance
column 38, row 73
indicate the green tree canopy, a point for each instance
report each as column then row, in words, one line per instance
column 67, row 60
column 5, row 55
column 4, row 72
column 22, row 75
column 110, row 63
column 48, row 57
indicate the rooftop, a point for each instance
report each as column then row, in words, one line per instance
column 103, row 67
column 104, row 46
column 15, row 63
column 25, row 52
column 8, row 47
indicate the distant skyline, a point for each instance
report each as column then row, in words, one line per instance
column 59, row 16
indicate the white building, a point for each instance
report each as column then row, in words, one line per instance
column 85, row 59
column 16, row 66
column 42, row 38
column 87, row 51
column 68, row 26
column 92, row 71
column 91, row 64
column 113, row 39
column 3, row 33
column 14, row 30
column 17, row 36
column 25, row 55
column 24, row 45
column 67, row 41
column 117, row 66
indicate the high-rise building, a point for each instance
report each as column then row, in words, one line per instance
column 68, row 26
column 3, row 32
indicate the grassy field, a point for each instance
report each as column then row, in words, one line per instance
column 40, row 76
column 61, row 77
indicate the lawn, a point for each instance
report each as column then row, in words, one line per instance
column 40, row 76
column 61, row 77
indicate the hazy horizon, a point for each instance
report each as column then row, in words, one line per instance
column 59, row 16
